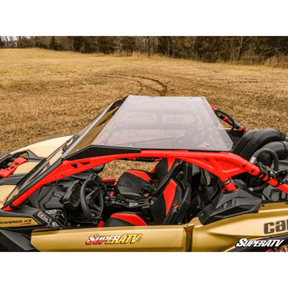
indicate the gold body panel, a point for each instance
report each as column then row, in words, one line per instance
column 132, row 238
column 5, row 190
column 222, row 235
column 6, row 222
column 25, row 168
column 46, row 147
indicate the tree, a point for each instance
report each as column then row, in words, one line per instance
column 267, row 47
column 212, row 48
column 53, row 44
column 25, row 42
column 2, row 43
column 44, row 41
column 165, row 45
column 65, row 43
column 178, row 47
column 105, row 44
column 128, row 44
column 77, row 42
column 88, row 44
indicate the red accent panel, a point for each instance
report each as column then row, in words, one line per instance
column 170, row 162
column 152, row 170
column 4, row 173
column 130, row 218
column 169, row 194
column 139, row 174
column 101, row 224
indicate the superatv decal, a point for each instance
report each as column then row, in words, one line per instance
column 275, row 226
column 96, row 239
column 258, row 243
column 15, row 222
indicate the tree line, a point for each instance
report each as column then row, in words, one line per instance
column 251, row 49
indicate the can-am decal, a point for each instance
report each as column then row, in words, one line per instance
column 96, row 239
column 258, row 243
column 278, row 226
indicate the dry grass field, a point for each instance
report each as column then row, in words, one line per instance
column 48, row 93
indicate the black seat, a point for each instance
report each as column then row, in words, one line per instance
column 162, row 209
column 167, row 203
column 169, row 208
column 137, row 182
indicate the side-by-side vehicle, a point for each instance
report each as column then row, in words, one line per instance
column 211, row 188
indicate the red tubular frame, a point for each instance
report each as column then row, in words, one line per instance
column 239, row 126
column 109, row 180
column 222, row 164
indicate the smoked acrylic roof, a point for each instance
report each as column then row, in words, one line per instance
column 144, row 122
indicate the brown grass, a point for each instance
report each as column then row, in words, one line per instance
column 47, row 93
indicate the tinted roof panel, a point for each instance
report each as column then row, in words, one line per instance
column 160, row 123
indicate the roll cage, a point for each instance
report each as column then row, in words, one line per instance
column 224, row 165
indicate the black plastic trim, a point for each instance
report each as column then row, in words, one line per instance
column 33, row 182
column 228, row 205
column 12, row 179
column 15, row 242
column 94, row 151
